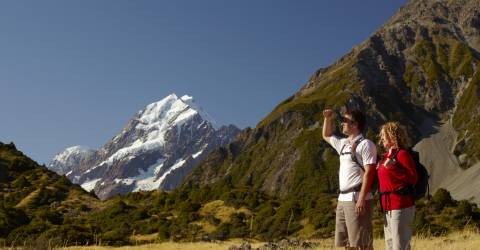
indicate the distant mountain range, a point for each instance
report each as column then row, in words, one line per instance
column 155, row 150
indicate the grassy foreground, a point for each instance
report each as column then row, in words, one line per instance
column 459, row 240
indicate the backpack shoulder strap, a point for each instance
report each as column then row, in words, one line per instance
column 341, row 150
column 395, row 157
column 354, row 150
column 395, row 154
column 398, row 151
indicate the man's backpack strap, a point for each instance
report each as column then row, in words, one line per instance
column 341, row 150
column 354, row 150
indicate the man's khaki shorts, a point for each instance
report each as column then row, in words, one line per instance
column 351, row 229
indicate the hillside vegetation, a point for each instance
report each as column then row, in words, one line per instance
column 38, row 204
column 280, row 179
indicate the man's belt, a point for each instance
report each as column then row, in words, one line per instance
column 356, row 188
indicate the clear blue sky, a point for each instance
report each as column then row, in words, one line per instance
column 74, row 72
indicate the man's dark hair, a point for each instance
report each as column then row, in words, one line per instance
column 358, row 117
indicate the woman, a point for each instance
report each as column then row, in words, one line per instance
column 397, row 176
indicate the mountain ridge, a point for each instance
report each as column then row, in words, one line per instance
column 416, row 69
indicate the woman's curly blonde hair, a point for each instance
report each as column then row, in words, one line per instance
column 396, row 134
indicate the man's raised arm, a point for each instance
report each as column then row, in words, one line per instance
column 327, row 130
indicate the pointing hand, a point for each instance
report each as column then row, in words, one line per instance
column 328, row 113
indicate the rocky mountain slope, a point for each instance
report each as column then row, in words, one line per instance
column 420, row 68
column 156, row 149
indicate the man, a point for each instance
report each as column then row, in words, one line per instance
column 353, row 228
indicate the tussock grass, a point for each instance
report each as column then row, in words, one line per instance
column 466, row 239
column 221, row 211
column 25, row 201
column 173, row 246
column 144, row 238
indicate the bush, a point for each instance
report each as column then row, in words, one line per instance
column 442, row 198
column 263, row 218
column 118, row 236
column 11, row 218
column 27, row 232
column 212, row 219
column 189, row 206
column 221, row 233
column 70, row 234
column 117, row 209
column 164, row 231
column 139, row 214
column 436, row 230
column 45, row 215
column 465, row 209
column 421, row 222
column 21, row 182
column 238, row 227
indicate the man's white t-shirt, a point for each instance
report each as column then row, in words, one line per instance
column 350, row 174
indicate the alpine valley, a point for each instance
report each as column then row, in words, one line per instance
column 278, row 179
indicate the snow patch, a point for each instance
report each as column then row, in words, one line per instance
column 127, row 181
column 178, row 164
column 197, row 154
column 89, row 185
column 132, row 151
column 147, row 180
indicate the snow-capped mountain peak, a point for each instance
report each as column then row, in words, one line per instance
column 156, row 149
column 174, row 110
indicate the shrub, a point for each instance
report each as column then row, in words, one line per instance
column 238, row 227
column 139, row 214
column 117, row 208
column 421, row 222
column 221, row 233
column 11, row 218
column 212, row 219
column 465, row 209
column 118, row 236
column 21, row 182
column 71, row 234
column 47, row 215
column 163, row 232
column 442, row 198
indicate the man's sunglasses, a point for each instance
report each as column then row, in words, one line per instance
column 344, row 119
